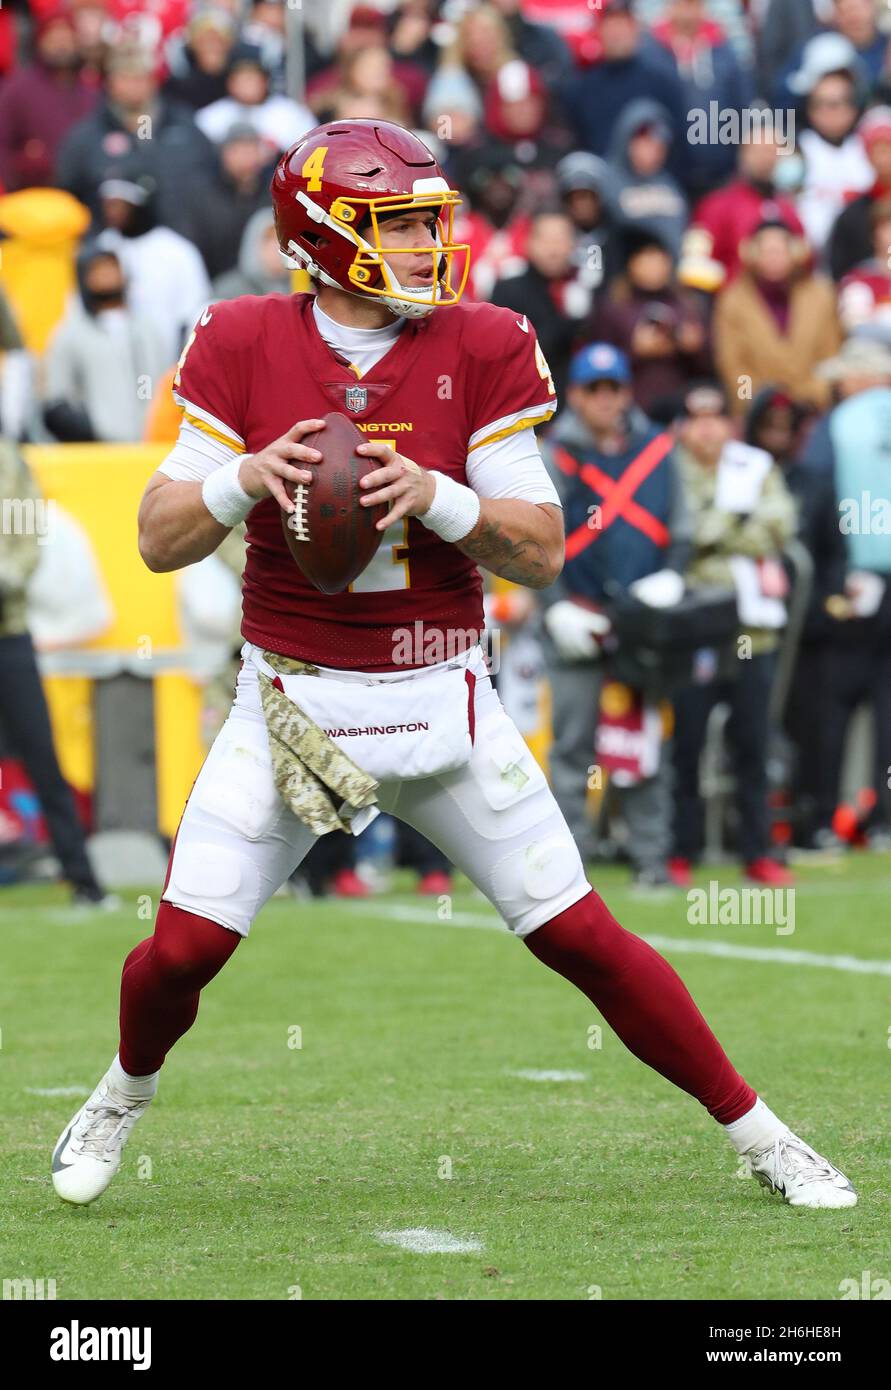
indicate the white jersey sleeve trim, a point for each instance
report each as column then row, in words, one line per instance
column 509, row 424
column 511, row 467
column 196, row 454
column 203, row 420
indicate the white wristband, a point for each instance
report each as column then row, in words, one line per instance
column 223, row 495
column 454, row 511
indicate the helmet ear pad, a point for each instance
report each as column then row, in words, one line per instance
column 339, row 251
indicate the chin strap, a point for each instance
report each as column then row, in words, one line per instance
column 405, row 305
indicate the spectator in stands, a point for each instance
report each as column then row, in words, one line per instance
column 40, row 102
column 656, row 324
column 776, row 423
column 649, row 542
column 411, row 34
column 855, row 21
column 482, row 45
column 775, row 322
column 787, row 26
column 645, row 195
column 738, row 538
column 851, row 240
column 846, row 525
column 725, row 219
column 709, row 71
column 864, row 295
column 538, row 45
column 156, row 136
column 452, row 112
column 730, row 16
column 583, row 182
column 264, row 29
column 166, row 279
column 24, row 717
column 248, row 101
column 517, row 114
column 104, row 362
column 492, row 221
column 199, row 61
column 16, row 376
column 222, row 203
column 548, row 288
column 367, row 75
column 595, row 97
column 260, row 268
column 836, row 167
column 367, row 28
column 90, row 20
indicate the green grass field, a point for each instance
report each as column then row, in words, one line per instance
column 268, row 1171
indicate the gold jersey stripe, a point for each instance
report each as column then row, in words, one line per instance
column 528, row 422
column 218, row 435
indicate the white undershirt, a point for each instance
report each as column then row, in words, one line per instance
column 363, row 347
column 509, row 467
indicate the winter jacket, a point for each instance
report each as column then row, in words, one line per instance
column 751, row 351
column 654, row 378
column 721, row 222
column 720, row 535
column 175, row 157
column 709, row 71
column 19, row 537
column 595, row 96
column 656, row 202
column 621, row 552
column 37, row 109
column 248, row 277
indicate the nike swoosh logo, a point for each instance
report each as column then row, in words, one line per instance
column 524, row 325
column 205, row 318
column 58, row 1165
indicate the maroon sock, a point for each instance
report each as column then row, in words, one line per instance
column 644, row 1001
column 161, row 983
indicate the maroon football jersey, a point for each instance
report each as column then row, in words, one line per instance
column 451, row 383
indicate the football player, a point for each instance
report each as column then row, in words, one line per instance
column 448, row 396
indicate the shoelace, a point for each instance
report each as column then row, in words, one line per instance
column 106, row 1121
column 792, row 1155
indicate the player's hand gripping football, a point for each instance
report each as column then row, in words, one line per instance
column 401, row 482
column 264, row 474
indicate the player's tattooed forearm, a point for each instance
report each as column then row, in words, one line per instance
column 524, row 561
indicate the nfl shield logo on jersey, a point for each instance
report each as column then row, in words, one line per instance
column 356, row 398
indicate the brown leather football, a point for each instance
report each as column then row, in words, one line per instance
column 332, row 537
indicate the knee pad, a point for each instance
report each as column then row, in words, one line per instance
column 215, row 881
column 536, row 881
column 236, row 785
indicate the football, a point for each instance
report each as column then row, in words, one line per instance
column 330, row 535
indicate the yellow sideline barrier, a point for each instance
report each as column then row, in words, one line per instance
column 101, row 486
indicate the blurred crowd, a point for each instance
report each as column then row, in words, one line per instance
column 691, row 201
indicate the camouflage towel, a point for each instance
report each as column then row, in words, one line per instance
column 311, row 773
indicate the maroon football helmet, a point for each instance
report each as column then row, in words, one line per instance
column 332, row 191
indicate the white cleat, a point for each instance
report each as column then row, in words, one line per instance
column 89, row 1150
column 802, row 1177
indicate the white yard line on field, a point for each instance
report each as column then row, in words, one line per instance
column 57, row 1090
column 529, row 1074
column 769, row 955
column 420, row 1240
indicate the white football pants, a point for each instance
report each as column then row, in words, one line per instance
column 495, row 818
